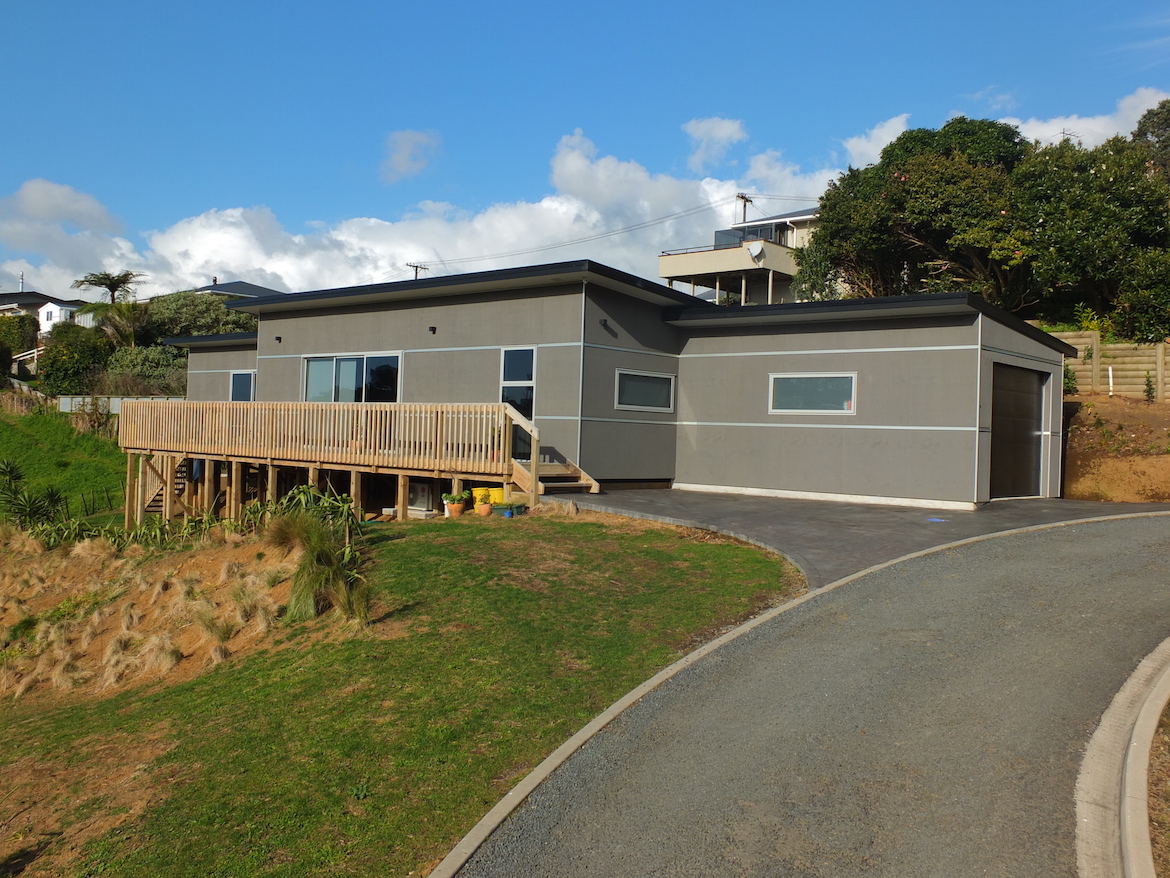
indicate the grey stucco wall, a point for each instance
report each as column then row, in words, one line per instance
column 620, row 444
column 459, row 362
column 913, row 434
column 209, row 371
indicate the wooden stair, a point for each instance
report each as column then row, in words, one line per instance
column 155, row 506
column 566, row 476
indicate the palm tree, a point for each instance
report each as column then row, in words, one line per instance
column 119, row 286
column 123, row 322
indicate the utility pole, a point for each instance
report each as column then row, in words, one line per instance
column 743, row 196
column 417, row 268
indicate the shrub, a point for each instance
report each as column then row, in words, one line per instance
column 19, row 333
column 73, row 358
column 160, row 370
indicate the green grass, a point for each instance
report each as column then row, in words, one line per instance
column 50, row 453
column 372, row 754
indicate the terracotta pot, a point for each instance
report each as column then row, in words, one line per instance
column 454, row 510
column 484, row 509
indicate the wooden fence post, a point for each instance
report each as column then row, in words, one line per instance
column 1160, row 368
column 1095, row 367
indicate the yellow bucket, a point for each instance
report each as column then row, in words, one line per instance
column 482, row 495
column 496, row 495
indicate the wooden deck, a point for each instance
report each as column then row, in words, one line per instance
column 447, row 441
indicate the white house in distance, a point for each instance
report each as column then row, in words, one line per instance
column 49, row 310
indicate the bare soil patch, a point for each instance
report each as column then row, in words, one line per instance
column 1118, row 450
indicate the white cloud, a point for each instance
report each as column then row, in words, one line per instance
column 995, row 101
column 408, row 153
column 591, row 196
column 866, row 149
column 1092, row 130
column 710, row 139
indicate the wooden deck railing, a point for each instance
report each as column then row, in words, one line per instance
column 461, row 438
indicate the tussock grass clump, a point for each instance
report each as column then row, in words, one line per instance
column 160, row 588
column 159, row 654
column 231, row 571
column 118, row 659
column 327, row 573
column 219, row 653
column 219, row 630
column 65, row 674
column 97, row 550
column 131, row 616
column 251, row 604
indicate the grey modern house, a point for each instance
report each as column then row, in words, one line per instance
column 936, row 400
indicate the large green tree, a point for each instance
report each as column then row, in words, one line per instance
column 120, row 286
column 189, row 313
column 1153, row 131
column 1034, row 229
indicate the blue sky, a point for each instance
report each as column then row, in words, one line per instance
column 304, row 145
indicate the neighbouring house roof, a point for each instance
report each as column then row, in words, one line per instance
column 29, row 300
column 240, row 289
column 808, row 213
column 498, row 280
column 879, row 308
column 223, row 340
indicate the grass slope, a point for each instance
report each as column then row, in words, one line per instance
column 373, row 754
column 49, row 452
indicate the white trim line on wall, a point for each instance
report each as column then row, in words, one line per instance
column 489, row 347
column 956, row 505
column 916, row 348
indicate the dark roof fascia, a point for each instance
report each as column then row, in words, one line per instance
column 497, row 280
column 880, row 308
column 224, row 340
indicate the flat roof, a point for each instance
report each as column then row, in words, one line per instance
column 878, row 308
column 497, row 280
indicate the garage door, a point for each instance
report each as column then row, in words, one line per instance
column 1017, row 420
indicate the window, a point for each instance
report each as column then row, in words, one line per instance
column 803, row 393
column 243, row 386
column 643, row 391
column 518, row 388
column 352, row 379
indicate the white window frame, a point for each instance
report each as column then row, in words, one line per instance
column 617, row 380
column 232, row 382
column 345, row 356
column 532, row 383
column 852, row 376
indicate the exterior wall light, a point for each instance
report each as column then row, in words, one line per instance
column 432, row 329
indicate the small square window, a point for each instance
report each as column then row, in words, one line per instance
column 243, row 386
column 813, row 393
column 644, row 391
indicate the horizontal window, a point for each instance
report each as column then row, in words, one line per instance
column 825, row 392
column 352, row 379
column 644, row 391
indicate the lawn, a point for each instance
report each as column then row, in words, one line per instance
column 50, row 453
column 372, row 753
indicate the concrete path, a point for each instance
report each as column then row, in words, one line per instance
column 926, row 719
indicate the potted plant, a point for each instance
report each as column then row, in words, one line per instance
column 455, row 503
column 483, row 501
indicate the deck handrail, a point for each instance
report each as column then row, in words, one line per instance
column 447, row 437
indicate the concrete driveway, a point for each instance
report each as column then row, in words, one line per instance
column 925, row 719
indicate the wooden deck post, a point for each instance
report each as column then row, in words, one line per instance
column 356, row 485
column 1160, row 367
column 236, row 489
column 403, row 497
column 314, row 476
column 169, row 463
column 273, row 475
column 140, row 491
column 128, row 514
column 535, row 466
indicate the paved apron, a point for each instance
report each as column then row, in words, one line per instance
column 927, row 719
